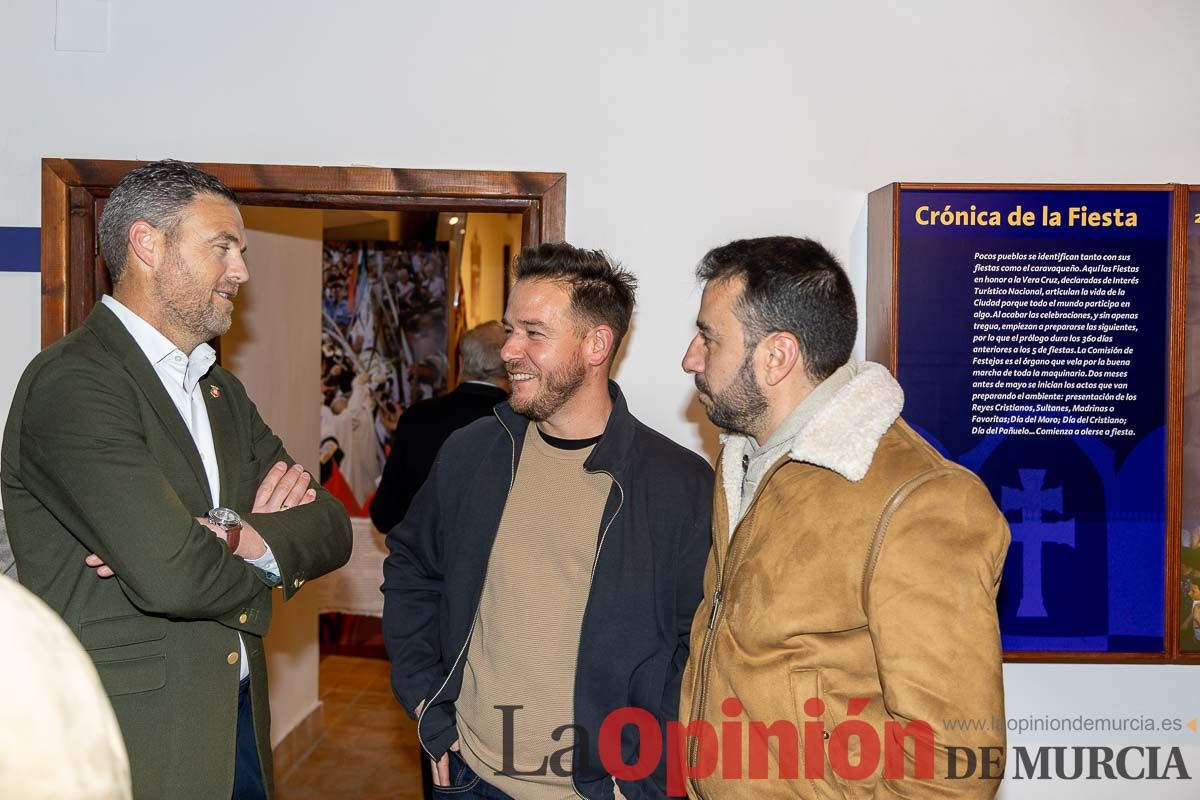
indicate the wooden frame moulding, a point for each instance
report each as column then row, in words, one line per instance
column 74, row 191
column 1179, row 355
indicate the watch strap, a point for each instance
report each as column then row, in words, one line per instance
column 233, row 537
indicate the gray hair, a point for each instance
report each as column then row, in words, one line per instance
column 480, row 351
column 157, row 193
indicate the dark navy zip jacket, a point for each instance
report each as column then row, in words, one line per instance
column 652, row 545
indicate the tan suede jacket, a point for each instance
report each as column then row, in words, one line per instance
column 863, row 576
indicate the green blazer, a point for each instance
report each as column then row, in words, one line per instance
column 97, row 459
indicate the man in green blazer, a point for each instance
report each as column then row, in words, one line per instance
column 150, row 505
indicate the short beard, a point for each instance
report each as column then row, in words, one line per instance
column 741, row 407
column 189, row 311
column 558, row 386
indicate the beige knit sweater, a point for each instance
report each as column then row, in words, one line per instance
column 525, row 639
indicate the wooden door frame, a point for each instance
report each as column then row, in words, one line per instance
column 74, row 190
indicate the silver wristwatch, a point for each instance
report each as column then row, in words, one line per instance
column 228, row 519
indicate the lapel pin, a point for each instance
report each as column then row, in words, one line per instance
column 214, row 391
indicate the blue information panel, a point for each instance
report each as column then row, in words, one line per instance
column 1032, row 345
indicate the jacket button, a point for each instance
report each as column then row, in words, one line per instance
column 232, row 657
column 243, row 618
column 298, row 583
column 825, row 734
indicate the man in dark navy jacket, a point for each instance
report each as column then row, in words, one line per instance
column 423, row 429
column 547, row 573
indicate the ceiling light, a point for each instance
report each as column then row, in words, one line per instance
column 453, row 220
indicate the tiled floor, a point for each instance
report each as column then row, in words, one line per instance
column 369, row 750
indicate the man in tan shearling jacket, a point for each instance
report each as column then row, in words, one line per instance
column 848, row 644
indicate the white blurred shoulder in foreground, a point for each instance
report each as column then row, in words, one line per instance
column 58, row 735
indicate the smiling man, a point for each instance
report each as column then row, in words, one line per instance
column 149, row 504
column 547, row 572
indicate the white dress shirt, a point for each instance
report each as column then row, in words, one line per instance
column 180, row 375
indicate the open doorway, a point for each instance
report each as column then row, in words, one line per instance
column 363, row 309
column 399, row 291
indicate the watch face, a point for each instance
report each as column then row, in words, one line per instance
column 224, row 517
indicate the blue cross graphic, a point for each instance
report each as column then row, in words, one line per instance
column 1031, row 500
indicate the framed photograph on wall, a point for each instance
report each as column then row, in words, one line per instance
column 384, row 347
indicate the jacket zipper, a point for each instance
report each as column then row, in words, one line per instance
column 428, row 703
column 712, row 618
column 700, row 702
column 620, row 505
column 595, row 563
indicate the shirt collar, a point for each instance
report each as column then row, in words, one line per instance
column 158, row 348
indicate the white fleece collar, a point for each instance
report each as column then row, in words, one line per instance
column 842, row 436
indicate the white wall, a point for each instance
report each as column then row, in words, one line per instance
column 20, row 327
column 681, row 125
